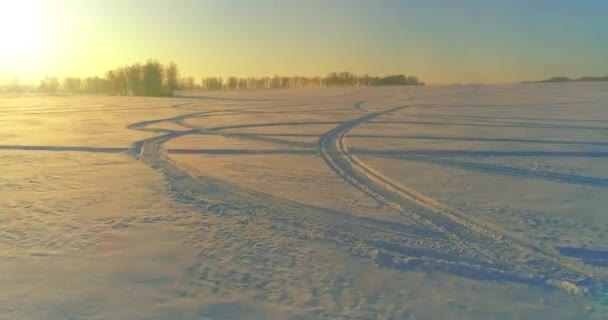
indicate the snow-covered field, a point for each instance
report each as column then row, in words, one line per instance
column 438, row 202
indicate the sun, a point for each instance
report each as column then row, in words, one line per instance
column 20, row 26
column 22, row 34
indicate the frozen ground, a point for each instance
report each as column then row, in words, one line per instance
column 439, row 202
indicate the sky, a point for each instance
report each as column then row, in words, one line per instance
column 440, row 41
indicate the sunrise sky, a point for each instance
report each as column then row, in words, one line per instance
column 441, row 41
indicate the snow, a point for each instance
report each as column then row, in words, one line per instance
column 455, row 202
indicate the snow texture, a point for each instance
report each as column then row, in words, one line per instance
column 453, row 202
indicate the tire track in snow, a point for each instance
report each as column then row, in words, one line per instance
column 359, row 106
column 346, row 231
column 492, row 243
column 364, row 237
column 435, row 239
column 508, row 171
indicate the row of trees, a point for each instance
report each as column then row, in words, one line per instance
column 156, row 79
column 12, row 86
column 581, row 79
column 149, row 79
column 341, row 79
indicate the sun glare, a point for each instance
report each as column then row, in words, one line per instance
column 20, row 27
column 22, row 35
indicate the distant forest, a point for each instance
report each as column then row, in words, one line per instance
column 566, row 79
column 155, row 79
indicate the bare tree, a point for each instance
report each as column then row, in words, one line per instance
column 72, row 84
column 112, row 82
column 95, row 85
column 152, row 78
column 49, row 85
column 134, row 79
column 172, row 76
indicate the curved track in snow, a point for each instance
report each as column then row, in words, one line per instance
column 434, row 237
column 495, row 245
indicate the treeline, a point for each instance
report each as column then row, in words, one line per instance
column 156, row 79
column 149, row 79
column 582, row 79
column 13, row 86
column 341, row 79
